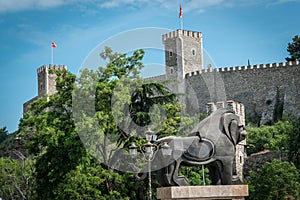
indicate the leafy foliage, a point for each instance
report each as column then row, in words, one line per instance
column 294, row 49
column 63, row 167
column 16, row 178
column 50, row 134
column 294, row 141
column 273, row 137
column 3, row 134
column 195, row 175
column 275, row 180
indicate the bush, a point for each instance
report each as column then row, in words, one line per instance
column 275, row 180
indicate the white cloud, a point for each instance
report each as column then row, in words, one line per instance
column 17, row 5
column 188, row 5
column 278, row 2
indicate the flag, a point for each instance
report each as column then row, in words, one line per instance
column 53, row 45
column 180, row 12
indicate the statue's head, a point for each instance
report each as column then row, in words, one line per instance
column 233, row 127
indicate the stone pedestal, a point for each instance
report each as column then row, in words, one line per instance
column 213, row 192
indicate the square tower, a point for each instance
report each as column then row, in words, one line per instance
column 47, row 80
column 183, row 53
column 46, row 83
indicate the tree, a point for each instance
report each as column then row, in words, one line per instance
column 195, row 175
column 51, row 137
column 294, row 49
column 275, row 180
column 269, row 137
column 125, row 104
column 61, row 159
column 16, row 178
column 294, row 141
column 3, row 134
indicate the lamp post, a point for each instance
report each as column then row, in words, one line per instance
column 149, row 150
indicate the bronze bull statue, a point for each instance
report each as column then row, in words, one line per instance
column 212, row 143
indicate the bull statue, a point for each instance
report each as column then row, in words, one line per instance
column 212, row 143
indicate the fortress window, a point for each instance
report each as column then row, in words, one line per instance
column 193, row 52
column 171, row 70
column 269, row 101
column 170, row 53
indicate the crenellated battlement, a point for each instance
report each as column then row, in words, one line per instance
column 157, row 78
column 250, row 67
column 179, row 32
column 44, row 68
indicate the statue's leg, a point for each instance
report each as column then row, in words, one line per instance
column 226, row 174
column 214, row 173
column 179, row 180
column 165, row 175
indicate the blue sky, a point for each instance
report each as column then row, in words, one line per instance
column 233, row 32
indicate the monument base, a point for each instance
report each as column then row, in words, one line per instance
column 212, row 192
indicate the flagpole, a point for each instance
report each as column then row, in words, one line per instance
column 52, row 55
column 181, row 27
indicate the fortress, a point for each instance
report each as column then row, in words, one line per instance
column 267, row 90
column 264, row 91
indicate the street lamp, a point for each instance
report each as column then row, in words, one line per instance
column 149, row 150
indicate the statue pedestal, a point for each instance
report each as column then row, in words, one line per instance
column 211, row 192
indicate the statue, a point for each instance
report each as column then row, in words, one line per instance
column 212, row 143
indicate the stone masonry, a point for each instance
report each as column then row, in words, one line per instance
column 260, row 87
column 182, row 50
column 266, row 90
column 46, row 83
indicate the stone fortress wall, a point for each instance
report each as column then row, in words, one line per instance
column 265, row 90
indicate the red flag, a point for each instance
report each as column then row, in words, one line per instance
column 180, row 12
column 53, row 45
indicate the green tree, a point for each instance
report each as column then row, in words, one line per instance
column 275, row 180
column 90, row 180
column 195, row 175
column 294, row 49
column 124, row 105
column 61, row 159
column 294, row 141
column 51, row 137
column 269, row 137
column 3, row 134
column 16, row 178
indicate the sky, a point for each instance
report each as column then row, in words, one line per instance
column 233, row 32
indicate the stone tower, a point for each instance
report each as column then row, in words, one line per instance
column 47, row 80
column 46, row 83
column 183, row 53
